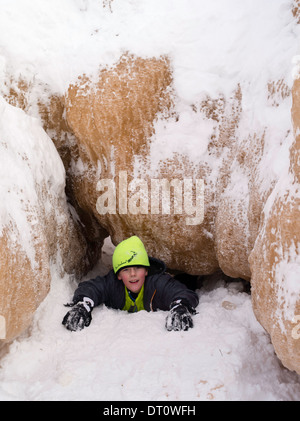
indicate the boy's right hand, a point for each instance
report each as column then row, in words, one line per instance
column 80, row 316
column 179, row 316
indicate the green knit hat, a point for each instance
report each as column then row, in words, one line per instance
column 130, row 252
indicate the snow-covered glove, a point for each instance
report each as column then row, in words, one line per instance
column 80, row 315
column 179, row 316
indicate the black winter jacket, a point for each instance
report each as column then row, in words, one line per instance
column 160, row 290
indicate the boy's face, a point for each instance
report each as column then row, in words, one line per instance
column 133, row 277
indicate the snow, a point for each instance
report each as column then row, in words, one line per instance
column 213, row 46
column 125, row 357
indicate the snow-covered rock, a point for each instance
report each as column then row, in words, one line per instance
column 275, row 258
column 36, row 228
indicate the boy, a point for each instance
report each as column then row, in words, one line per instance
column 137, row 282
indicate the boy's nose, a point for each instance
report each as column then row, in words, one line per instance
column 132, row 271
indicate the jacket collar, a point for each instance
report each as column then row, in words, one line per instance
column 156, row 266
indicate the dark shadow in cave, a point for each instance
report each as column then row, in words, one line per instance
column 195, row 282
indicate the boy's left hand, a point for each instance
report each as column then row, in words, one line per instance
column 179, row 317
column 79, row 316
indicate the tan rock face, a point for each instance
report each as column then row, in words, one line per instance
column 22, row 287
column 123, row 106
column 36, row 227
column 275, row 259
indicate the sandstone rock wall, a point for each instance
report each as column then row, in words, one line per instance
column 115, row 134
column 112, row 139
column 36, row 227
column 275, row 258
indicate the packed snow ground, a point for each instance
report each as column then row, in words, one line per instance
column 122, row 356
